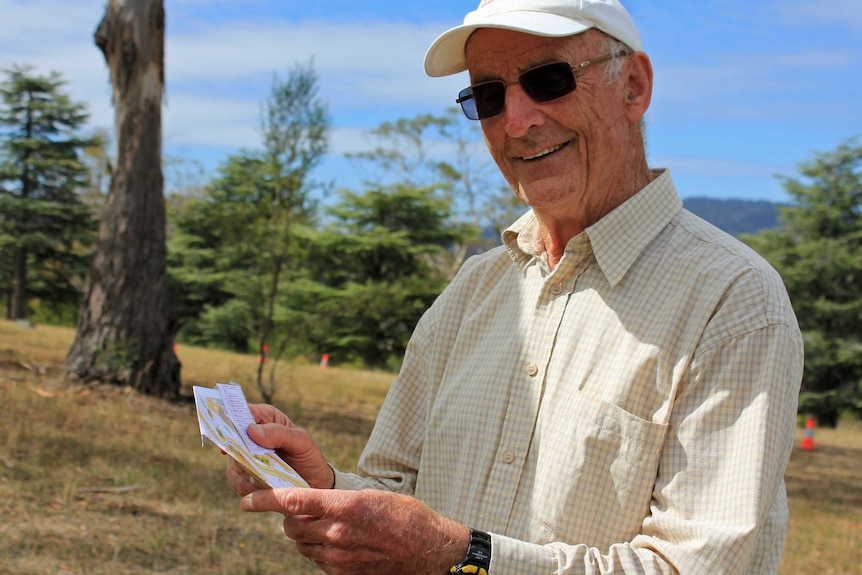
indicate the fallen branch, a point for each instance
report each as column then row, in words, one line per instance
column 121, row 489
column 30, row 367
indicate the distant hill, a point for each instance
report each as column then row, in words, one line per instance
column 733, row 216
column 736, row 216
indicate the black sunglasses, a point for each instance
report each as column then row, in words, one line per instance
column 542, row 83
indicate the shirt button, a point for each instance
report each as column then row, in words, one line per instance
column 509, row 456
column 532, row 370
column 557, row 289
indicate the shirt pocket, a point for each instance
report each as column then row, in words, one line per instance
column 595, row 469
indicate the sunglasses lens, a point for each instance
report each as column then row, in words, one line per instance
column 468, row 103
column 549, row 82
column 482, row 100
column 542, row 84
column 490, row 98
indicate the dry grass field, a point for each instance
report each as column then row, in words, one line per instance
column 98, row 480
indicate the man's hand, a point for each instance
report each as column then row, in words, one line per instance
column 369, row 532
column 293, row 444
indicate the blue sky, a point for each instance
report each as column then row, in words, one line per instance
column 744, row 90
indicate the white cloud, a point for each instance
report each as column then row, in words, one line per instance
column 57, row 35
column 748, row 73
column 218, row 74
column 370, row 63
column 842, row 13
column 43, row 22
column 211, row 121
column 783, row 86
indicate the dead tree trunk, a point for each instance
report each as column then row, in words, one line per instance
column 125, row 334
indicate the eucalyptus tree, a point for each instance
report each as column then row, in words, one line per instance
column 125, row 331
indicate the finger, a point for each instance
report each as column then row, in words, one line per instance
column 306, row 531
column 240, row 480
column 288, row 501
column 334, row 559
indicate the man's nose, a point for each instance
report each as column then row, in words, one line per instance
column 520, row 112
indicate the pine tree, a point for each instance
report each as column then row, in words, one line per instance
column 374, row 271
column 817, row 251
column 44, row 226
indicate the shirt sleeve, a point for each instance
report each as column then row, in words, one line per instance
column 719, row 490
column 391, row 457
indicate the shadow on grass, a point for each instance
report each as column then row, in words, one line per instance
column 338, row 423
column 70, row 461
column 827, row 474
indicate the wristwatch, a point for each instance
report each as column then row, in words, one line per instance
column 478, row 558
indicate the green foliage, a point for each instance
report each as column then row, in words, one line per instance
column 373, row 271
column 226, row 326
column 45, row 227
column 233, row 251
column 817, row 251
column 251, row 264
column 447, row 153
column 232, row 243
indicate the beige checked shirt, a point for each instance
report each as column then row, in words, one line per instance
column 630, row 411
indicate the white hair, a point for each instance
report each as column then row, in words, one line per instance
column 617, row 50
column 614, row 66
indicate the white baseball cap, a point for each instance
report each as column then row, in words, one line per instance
column 538, row 17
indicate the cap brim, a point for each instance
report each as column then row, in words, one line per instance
column 446, row 55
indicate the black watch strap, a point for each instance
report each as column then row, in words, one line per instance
column 478, row 558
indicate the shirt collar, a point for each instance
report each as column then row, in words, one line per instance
column 617, row 239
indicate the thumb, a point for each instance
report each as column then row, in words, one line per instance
column 275, row 436
column 298, row 449
column 257, row 433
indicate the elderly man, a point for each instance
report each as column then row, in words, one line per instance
column 613, row 390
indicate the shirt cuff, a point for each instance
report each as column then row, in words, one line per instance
column 352, row 482
column 510, row 555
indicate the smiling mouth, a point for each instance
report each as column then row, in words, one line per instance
column 544, row 152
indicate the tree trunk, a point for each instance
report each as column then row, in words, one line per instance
column 18, row 301
column 125, row 332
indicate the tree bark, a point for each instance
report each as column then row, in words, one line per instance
column 125, row 333
column 18, row 301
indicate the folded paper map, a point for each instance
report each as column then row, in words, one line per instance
column 224, row 417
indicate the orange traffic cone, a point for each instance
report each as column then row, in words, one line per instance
column 808, row 440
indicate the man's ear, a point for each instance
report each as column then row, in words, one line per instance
column 638, row 86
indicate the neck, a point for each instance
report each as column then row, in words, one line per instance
column 559, row 225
